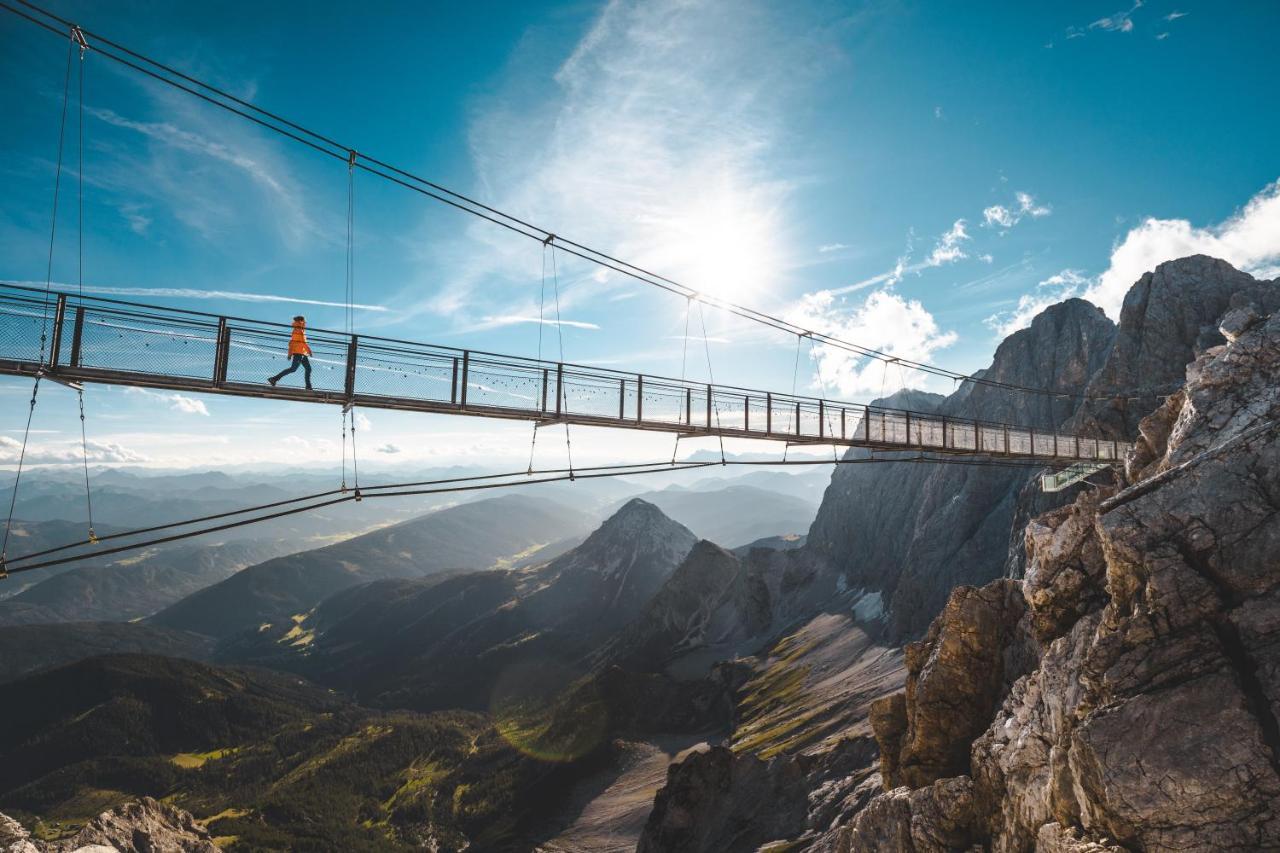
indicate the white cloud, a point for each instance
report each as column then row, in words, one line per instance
column 1162, row 36
column 512, row 320
column 1118, row 22
column 1007, row 217
column 66, row 452
column 176, row 402
column 885, row 321
column 1248, row 240
column 389, row 448
column 937, row 112
column 193, row 293
column 363, row 422
column 1175, row 15
column 1051, row 291
column 831, row 247
column 948, row 249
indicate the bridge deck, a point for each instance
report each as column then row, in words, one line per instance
column 122, row 343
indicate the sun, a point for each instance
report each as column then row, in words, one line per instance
column 725, row 243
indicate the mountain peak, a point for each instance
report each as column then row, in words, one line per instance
column 636, row 528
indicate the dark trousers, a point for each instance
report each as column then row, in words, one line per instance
column 298, row 361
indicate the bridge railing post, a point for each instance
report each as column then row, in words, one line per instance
column 746, row 413
column 709, row 406
column 768, row 413
column 559, row 387
column 349, row 386
column 622, row 398
column 462, row 388
column 821, row 418
column 55, row 346
column 907, row 424
column 77, row 335
column 866, row 424
column 640, row 398
column 221, row 353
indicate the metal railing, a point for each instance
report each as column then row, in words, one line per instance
column 93, row 339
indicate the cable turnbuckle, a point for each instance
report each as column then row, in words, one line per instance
column 77, row 36
column 351, row 158
column 93, row 537
column 357, row 495
column 550, row 239
column 4, row 573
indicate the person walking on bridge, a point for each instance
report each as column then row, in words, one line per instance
column 298, row 352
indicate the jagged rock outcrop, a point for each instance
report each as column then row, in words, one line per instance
column 716, row 799
column 956, row 676
column 1150, row 720
column 143, row 826
column 1169, row 316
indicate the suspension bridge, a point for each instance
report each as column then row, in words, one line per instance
column 74, row 339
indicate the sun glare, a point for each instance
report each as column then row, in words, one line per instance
column 724, row 244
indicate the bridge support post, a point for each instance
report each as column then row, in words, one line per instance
column 462, row 390
column 688, row 407
column 906, row 416
column 559, row 386
column 640, row 397
column 349, row 386
column 222, row 351
column 546, row 375
column 709, row 406
column 55, row 346
column 821, row 419
column 768, row 413
column 77, row 335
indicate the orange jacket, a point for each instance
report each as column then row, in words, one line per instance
column 298, row 340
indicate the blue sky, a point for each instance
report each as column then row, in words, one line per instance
column 916, row 177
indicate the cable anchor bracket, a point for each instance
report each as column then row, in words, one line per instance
column 77, row 36
column 4, row 573
column 352, row 154
column 550, row 239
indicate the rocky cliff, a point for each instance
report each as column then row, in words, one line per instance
column 1125, row 696
column 144, row 826
column 931, row 528
column 915, row 531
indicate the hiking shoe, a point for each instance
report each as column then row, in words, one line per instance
column 272, row 381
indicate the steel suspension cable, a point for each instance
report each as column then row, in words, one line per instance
column 822, row 392
column 326, row 145
column 84, row 437
column 542, row 302
column 484, row 482
column 711, row 380
column 57, row 187
column 684, row 356
column 555, row 284
column 17, row 479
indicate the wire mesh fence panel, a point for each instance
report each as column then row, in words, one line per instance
column 991, row 439
column 148, row 345
column 757, row 414
column 664, row 404
column 588, row 395
column 427, row 376
column 1019, row 441
column 21, row 326
column 809, row 421
column 1107, row 450
column 1043, row 445
column 928, row 432
column 727, row 411
column 962, row 435
column 495, row 384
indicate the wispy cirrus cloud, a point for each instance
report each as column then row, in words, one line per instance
column 515, row 320
column 192, row 157
column 195, row 293
column 656, row 142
